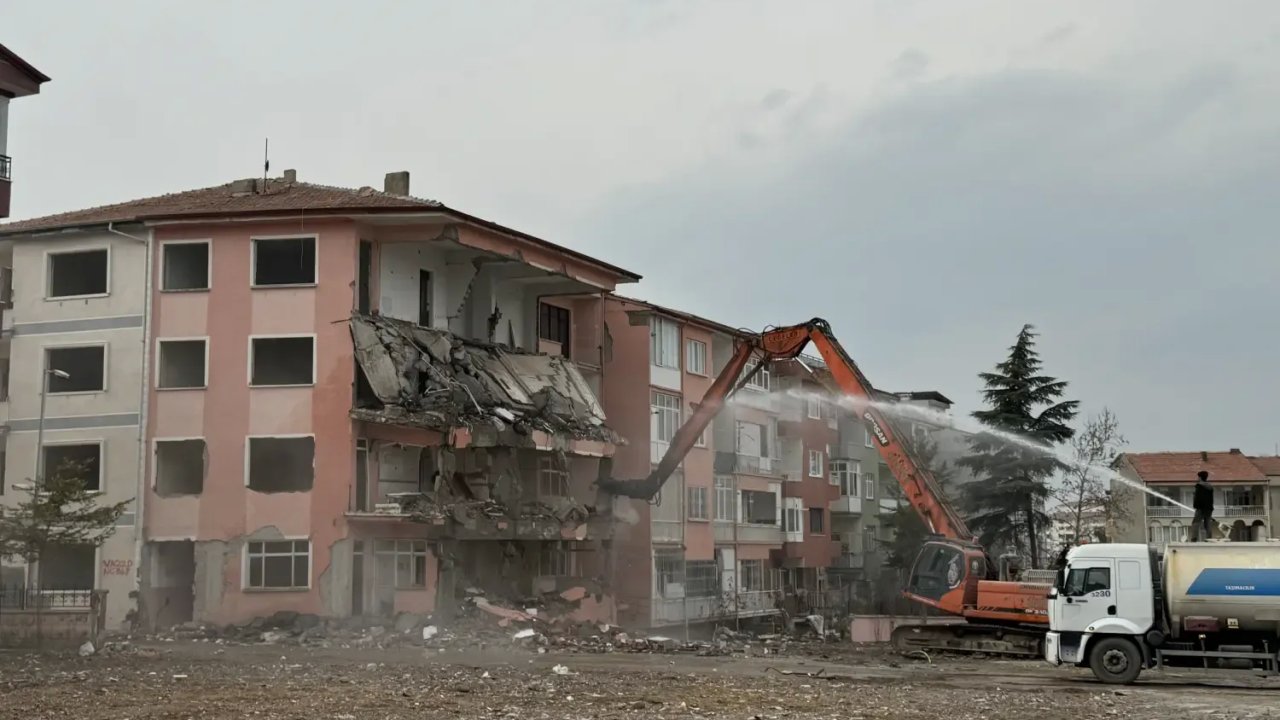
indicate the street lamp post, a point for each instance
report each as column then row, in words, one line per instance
column 44, row 391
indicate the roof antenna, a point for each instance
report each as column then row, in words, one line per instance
column 266, row 161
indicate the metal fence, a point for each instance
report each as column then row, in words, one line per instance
column 21, row 597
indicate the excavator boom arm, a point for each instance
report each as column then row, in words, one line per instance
column 918, row 484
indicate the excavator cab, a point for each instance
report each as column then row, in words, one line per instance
column 945, row 573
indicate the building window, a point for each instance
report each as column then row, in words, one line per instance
column 85, row 367
column 791, row 518
column 281, row 464
column 753, row 440
column 753, row 576
column 68, row 567
column 409, row 558
column 702, row 578
column 869, row 544
column 553, row 325
column 184, row 266
column 182, row 364
column 180, row 467
column 695, row 360
column 726, row 507
column 697, row 506
column 845, row 474
column 817, row 521
column 555, row 559
column 815, row 463
column 82, row 461
column 701, row 440
column 666, row 416
column 760, row 508
column 282, row 361
column 553, row 479
column 284, row 261
column 869, row 487
column 866, row 435
column 668, row 575
column 759, row 381
column 813, row 406
column 664, row 343
column 279, row 565
column 80, row 273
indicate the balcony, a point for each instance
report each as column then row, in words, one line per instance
column 769, row 534
column 847, row 504
column 727, row 462
column 850, row 561
column 1222, row 511
column 1167, row 511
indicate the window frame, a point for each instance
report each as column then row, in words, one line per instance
column 813, row 407
column 48, row 272
column 677, row 407
column 208, row 275
column 379, row 548
column 47, row 365
column 696, row 508
column 155, row 464
column 726, row 491
column 1084, row 574
column 205, row 384
column 818, row 455
column 247, row 556
column 248, row 454
column 657, row 348
column 545, row 311
column 549, row 471
column 869, row 487
column 695, row 368
column 849, row 477
column 866, row 435
column 253, row 260
column 102, row 457
column 281, row 336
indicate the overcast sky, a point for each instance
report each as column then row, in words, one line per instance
column 929, row 176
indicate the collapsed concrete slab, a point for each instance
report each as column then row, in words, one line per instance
column 478, row 394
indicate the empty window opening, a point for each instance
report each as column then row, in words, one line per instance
column 364, row 300
column 78, row 461
column 281, row 464
column 186, row 266
column 553, row 325
column 173, row 579
column 76, row 274
column 286, row 261
column 4, row 380
column 180, row 467
column 424, row 298
column 283, row 361
column 84, row 367
column 406, row 560
column 556, row 559
column 182, row 364
column 68, row 567
column 553, row 479
column 279, row 565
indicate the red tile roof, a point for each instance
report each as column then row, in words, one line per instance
column 1183, row 466
column 229, row 199
column 1269, row 464
column 239, row 199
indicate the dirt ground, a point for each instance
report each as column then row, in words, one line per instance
column 180, row 680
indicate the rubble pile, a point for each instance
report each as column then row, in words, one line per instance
column 436, row 380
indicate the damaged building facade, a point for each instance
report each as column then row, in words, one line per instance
column 356, row 402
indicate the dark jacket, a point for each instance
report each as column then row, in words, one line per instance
column 1203, row 499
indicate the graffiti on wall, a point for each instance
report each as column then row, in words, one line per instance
column 117, row 567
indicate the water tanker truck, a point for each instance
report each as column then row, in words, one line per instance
column 1119, row 608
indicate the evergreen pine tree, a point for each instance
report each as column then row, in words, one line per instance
column 1006, row 503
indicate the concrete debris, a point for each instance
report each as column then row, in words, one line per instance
column 433, row 379
column 429, row 632
column 560, row 670
column 86, row 649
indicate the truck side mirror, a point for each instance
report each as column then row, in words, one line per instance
column 1053, row 593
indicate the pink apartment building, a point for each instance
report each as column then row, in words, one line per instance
column 358, row 402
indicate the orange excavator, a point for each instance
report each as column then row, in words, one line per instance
column 1005, row 613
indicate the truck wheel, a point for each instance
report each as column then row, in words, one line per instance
column 1115, row 661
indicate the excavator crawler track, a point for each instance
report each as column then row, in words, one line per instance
column 969, row 638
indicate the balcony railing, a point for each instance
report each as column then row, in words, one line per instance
column 850, row 561
column 1222, row 511
column 6, row 167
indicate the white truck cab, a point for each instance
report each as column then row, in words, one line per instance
column 1101, row 605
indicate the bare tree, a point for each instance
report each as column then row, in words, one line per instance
column 1083, row 491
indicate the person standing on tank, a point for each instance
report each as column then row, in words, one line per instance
column 1202, row 503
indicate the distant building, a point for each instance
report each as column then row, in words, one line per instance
column 18, row 78
column 1244, row 494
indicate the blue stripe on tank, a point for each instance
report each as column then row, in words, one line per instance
column 1237, row 581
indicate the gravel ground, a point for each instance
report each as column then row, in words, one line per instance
column 192, row 680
